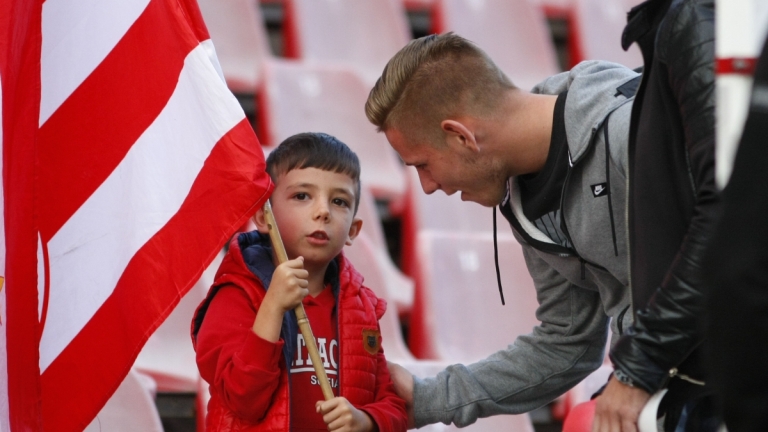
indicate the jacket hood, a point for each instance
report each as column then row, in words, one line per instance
column 592, row 89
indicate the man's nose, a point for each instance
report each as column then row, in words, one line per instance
column 427, row 183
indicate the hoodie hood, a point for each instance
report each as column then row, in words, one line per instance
column 593, row 87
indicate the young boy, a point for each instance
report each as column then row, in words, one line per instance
column 245, row 334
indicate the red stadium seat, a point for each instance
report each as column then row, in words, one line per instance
column 237, row 31
column 299, row 97
column 513, row 33
column 580, row 418
column 362, row 34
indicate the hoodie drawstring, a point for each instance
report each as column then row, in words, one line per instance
column 608, row 183
column 496, row 256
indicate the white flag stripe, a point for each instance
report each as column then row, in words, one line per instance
column 40, row 277
column 90, row 252
column 77, row 36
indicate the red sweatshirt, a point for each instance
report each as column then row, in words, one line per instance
column 249, row 376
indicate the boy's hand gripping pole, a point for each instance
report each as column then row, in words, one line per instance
column 301, row 316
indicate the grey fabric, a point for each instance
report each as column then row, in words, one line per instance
column 576, row 300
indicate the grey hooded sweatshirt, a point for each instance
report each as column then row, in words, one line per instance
column 578, row 289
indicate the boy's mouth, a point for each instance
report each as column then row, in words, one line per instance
column 319, row 235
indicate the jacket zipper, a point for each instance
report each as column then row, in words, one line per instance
column 675, row 373
column 338, row 335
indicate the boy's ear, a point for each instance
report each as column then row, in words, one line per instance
column 260, row 221
column 354, row 230
column 459, row 132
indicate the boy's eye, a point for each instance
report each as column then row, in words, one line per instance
column 301, row 196
column 341, row 202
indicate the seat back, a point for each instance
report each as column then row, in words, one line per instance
column 321, row 98
column 438, row 216
column 131, row 408
column 399, row 286
column 168, row 356
column 238, row 33
column 598, row 25
column 461, row 302
column 363, row 256
column 513, row 33
column 319, row 30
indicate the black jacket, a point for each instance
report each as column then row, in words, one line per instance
column 672, row 194
column 736, row 271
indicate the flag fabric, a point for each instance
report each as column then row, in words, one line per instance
column 127, row 165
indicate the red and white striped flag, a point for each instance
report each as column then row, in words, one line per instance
column 127, row 164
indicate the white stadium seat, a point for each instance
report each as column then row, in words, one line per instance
column 168, row 356
column 363, row 256
column 301, row 97
column 130, row 409
column 598, row 25
column 513, row 33
column 237, row 30
column 361, row 34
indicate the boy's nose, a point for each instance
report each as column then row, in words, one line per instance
column 322, row 212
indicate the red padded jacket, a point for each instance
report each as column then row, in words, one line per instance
column 248, row 391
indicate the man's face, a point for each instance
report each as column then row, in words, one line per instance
column 314, row 210
column 451, row 168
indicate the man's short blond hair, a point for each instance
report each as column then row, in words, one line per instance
column 431, row 79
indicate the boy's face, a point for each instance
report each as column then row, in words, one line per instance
column 314, row 211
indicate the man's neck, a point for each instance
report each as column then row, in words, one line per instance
column 526, row 131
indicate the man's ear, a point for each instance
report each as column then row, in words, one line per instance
column 260, row 221
column 354, row 230
column 459, row 132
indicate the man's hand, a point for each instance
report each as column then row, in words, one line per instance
column 403, row 381
column 341, row 416
column 618, row 408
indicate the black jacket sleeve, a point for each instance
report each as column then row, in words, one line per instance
column 666, row 330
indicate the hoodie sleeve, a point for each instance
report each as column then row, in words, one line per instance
column 538, row 367
column 242, row 368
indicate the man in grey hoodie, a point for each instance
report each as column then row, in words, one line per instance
column 555, row 161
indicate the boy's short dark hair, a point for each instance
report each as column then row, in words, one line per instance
column 315, row 150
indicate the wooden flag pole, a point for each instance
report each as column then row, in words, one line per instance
column 301, row 316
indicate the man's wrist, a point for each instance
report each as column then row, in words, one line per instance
column 623, row 378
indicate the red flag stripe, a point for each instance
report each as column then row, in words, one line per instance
column 195, row 19
column 151, row 184
column 235, row 159
column 20, row 37
column 90, row 133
